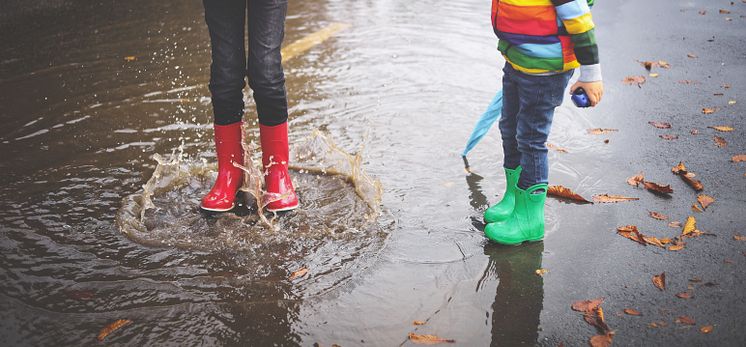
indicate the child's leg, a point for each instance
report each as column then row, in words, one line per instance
column 509, row 121
column 540, row 95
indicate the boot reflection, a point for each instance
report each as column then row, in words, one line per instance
column 520, row 292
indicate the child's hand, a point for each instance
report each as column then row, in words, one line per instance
column 594, row 90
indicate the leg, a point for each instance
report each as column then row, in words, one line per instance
column 540, row 95
column 266, row 77
column 226, row 22
column 508, row 119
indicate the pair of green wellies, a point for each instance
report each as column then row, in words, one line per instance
column 519, row 216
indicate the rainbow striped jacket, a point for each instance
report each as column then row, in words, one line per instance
column 543, row 37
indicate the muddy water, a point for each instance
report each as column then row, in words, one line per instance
column 398, row 90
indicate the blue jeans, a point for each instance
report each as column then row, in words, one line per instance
column 528, row 108
column 227, row 23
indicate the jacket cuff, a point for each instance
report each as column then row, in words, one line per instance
column 590, row 73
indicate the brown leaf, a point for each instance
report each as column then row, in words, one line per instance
column 660, row 281
column 664, row 64
column 636, row 179
column 647, row 64
column 685, row 320
column 687, row 177
column 652, row 240
column 601, row 340
column 705, row 200
column 684, row 295
column 722, row 128
column 565, row 193
column 606, row 198
column 418, row 322
column 675, row 224
column 298, row 273
column 725, row 86
column 722, row 11
column 739, row 237
column 719, row 141
column 660, row 125
column 601, row 131
column 117, row 324
column 738, row 158
column 706, row 329
column 631, row 232
column 657, row 215
column 657, row 188
column 541, row 272
column 696, row 208
column 669, row 137
column 428, row 339
column 557, row 148
column 676, row 246
column 709, row 110
column 657, row 324
column 629, row 80
column 632, row 312
column 586, row 305
column 691, row 55
column 690, row 225
column 130, row 58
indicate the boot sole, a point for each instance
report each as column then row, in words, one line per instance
column 217, row 209
column 289, row 208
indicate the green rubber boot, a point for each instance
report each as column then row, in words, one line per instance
column 503, row 209
column 527, row 221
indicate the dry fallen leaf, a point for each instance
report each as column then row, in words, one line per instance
column 636, row 179
column 298, row 273
column 601, row 340
column 684, row 295
column 657, row 215
column 660, row 281
column 586, row 305
column 541, row 272
column 664, row 64
column 657, row 188
column 428, row 339
column 601, row 131
column 690, row 225
column 676, row 246
column 708, row 110
column 685, row 320
column 687, row 177
column 631, row 232
column 647, row 64
column 652, row 240
column 669, row 137
column 117, row 324
column 696, row 208
column 739, row 237
column 738, row 158
column 657, row 324
column 557, row 148
column 130, row 58
column 706, row 329
column 660, row 125
column 705, row 200
column 719, row 141
column 722, row 11
column 691, row 55
column 639, row 80
column 606, row 198
column 418, row 322
column 722, row 128
column 565, row 193
column 632, row 312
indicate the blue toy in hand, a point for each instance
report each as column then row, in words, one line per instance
column 580, row 98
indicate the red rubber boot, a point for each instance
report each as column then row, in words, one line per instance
column 275, row 161
column 222, row 196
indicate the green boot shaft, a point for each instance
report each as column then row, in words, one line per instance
column 503, row 209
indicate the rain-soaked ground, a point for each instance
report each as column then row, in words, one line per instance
column 84, row 244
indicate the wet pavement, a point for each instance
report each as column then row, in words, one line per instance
column 400, row 88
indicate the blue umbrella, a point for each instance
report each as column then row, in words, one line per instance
column 484, row 124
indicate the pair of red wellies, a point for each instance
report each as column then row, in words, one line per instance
column 228, row 145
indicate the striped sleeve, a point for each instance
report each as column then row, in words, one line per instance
column 576, row 17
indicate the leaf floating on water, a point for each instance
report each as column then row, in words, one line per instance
column 601, row 131
column 705, row 200
column 659, row 281
column 738, row 158
column 719, row 141
column 557, row 148
column 657, row 215
column 722, row 128
column 418, row 322
column 541, row 272
column 660, row 125
column 657, row 188
column 632, row 312
column 565, row 193
column 298, row 273
column 685, row 320
column 708, row 110
column 630, row 80
column 428, row 339
column 636, row 179
column 706, row 329
column 606, row 198
column 117, row 324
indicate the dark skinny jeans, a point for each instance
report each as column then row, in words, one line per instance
column 226, row 21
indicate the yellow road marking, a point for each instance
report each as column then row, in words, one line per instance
column 301, row 46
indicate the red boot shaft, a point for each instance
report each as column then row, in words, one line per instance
column 222, row 196
column 275, row 161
